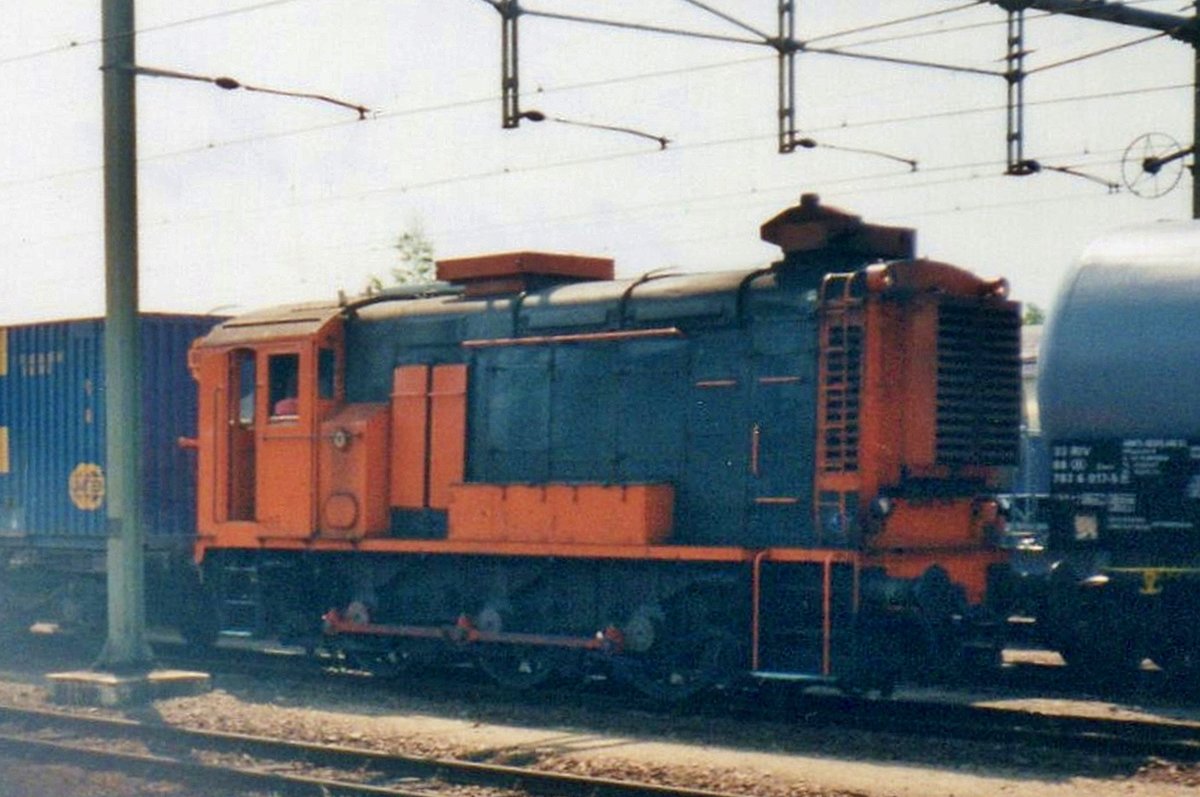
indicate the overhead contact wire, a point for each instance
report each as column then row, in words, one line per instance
column 894, row 22
column 75, row 44
column 684, row 146
column 1097, row 53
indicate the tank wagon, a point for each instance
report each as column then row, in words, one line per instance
column 1118, row 405
column 52, row 467
column 785, row 472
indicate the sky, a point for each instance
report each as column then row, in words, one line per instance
column 249, row 199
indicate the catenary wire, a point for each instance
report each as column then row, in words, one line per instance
column 401, row 113
column 868, row 179
column 75, row 44
column 756, row 197
column 442, row 181
column 894, row 22
column 499, row 173
column 1097, row 53
column 991, row 23
column 384, row 114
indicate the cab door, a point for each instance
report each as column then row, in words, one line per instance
column 285, row 439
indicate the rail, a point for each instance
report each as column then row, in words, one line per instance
column 211, row 757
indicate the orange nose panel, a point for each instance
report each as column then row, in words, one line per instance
column 352, row 476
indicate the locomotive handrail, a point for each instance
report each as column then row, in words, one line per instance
column 744, row 287
column 845, row 285
column 627, row 294
column 403, row 294
column 756, row 605
column 582, row 337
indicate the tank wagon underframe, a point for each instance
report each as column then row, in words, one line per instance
column 785, row 470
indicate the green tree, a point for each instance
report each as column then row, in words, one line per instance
column 417, row 265
column 1033, row 314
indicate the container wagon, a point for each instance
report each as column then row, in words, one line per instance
column 52, row 467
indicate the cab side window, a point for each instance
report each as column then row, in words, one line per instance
column 283, row 373
column 244, row 374
column 326, row 374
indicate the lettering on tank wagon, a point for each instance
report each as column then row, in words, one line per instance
column 86, row 486
column 1070, row 465
column 1078, row 465
column 1144, row 485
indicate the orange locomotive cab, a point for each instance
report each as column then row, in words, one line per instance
column 282, row 457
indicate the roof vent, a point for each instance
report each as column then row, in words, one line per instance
column 514, row 272
column 810, row 231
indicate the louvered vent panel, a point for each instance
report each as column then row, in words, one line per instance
column 979, row 384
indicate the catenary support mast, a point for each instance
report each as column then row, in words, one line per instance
column 126, row 647
column 1185, row 29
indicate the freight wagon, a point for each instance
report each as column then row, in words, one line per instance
column 1118, row 395
column 52, row 466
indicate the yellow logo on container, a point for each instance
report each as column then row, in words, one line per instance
column 86, row 486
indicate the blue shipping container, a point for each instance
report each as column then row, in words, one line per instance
column 52, row 440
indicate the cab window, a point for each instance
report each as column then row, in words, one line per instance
column 244, row 373
column 326, row 374
column 283, row 374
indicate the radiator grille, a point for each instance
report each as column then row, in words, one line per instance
column 978, row 383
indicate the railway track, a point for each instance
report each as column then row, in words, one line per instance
column 1174, row 741
column 921, row 718
column 1170, row 741
column 295, row 768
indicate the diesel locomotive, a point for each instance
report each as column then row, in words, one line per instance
column 683, row 479
column 1118, row 390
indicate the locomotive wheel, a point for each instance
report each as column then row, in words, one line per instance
column 679, row 652
column 1181, row 663
column 1175, row 645
column 1101, row 651
column 1104, row 660
column 1083, row 629
column 516, row 667
column 939, row 601
column 381, row 663
column 678, row 668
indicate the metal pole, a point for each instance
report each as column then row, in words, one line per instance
column 126, row 647
column 510, row 11
column 1195, row 131
column 1015, row 75
column 787, row 76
